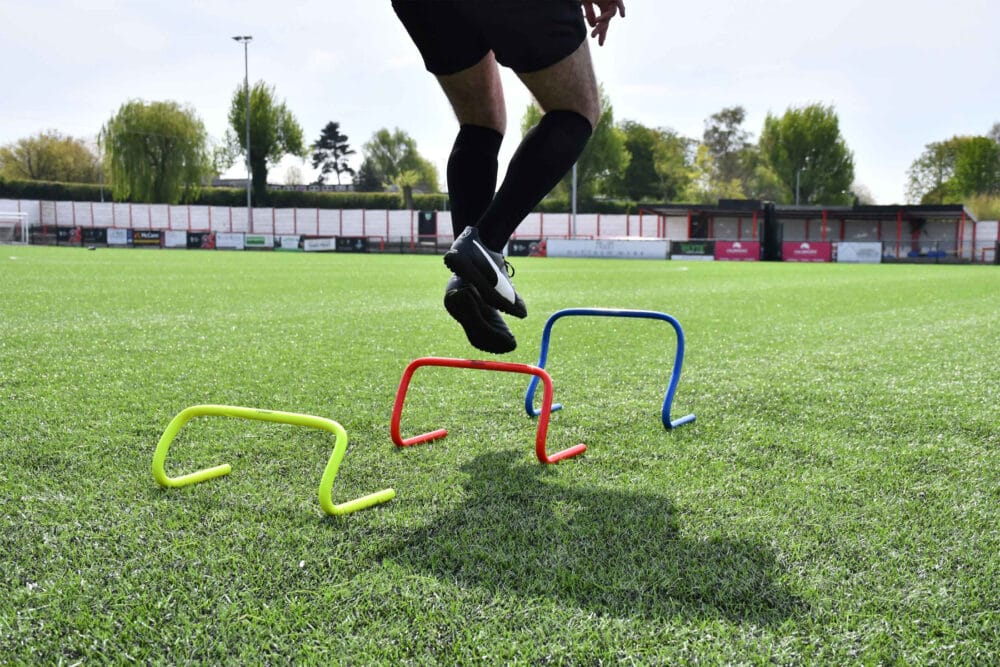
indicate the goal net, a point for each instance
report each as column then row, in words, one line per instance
column 13, row 227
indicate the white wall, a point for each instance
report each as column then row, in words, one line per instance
column 401, row 224
column 309, row 222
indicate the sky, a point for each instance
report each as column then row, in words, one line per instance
column 899, row 74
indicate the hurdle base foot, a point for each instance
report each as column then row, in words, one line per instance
column 575, row 450
column 364, row 502
column 419, row 439
column 535, row 412
column 680, row 421
column 191, row 477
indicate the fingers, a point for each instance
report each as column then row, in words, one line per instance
column 600, row 32
column 600, row 23
column 607, row 14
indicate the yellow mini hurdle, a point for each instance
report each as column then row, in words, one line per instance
column 293, row 418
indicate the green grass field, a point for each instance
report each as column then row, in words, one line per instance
column 836, row 501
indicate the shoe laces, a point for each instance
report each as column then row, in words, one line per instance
column 508, row 267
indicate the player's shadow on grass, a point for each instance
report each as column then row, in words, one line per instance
column 610, row 552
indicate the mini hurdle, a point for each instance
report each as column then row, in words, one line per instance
column 502, row 366
column 675, row 376
column 295, row 419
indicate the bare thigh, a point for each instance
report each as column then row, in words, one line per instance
column 476, row 94
column 568, row 85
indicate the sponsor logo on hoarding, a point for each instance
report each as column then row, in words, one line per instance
column 146, row 237
column 692, row 248
column 805, row 251
column 229, row 240
column 737, row 250
column 287, row 242
column 259, row 241
column 318, row 245
column 351, row 244
column 205, row 240
column 625, row 249
column 866, row 252
column 526, row 248
column 117, row 236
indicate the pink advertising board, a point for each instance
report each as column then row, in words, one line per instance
column 806, row 251
column 738, row 251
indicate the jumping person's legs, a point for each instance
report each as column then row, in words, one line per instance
column 568, row 85
column 455, row 52
column 476, row 95
column 568, row 94
column 461, row 43
column 545, row 43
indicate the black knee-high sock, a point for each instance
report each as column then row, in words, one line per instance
column 472, row 174
column 544, row 156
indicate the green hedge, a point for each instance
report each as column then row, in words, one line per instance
column 48, row 191
column 607, row 206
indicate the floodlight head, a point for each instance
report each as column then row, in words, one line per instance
column 242, row 38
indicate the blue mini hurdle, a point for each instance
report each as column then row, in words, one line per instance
column 675, row 375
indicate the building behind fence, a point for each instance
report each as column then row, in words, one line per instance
column 939, row 233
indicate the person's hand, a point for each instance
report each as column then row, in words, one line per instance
column 600, row 22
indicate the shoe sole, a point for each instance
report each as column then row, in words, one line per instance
column 461, row 265
column 463, row 306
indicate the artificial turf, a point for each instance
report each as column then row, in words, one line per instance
column 836, row 501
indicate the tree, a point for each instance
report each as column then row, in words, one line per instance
column 658, row 163
column 994, row 133
column 952, row 170
column 156, row 152
column 640, row 179
column 929, row 176
column 727, row 143
column 761, row 181
column 392, row 158
column 49, row 156
column 330, row 153
column 704, row 186
column 603, row 159
column 977, row 167
column 274, row 133
column 367, row 179
column 984, row 207
column 804, row 148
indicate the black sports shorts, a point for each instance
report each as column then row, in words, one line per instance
column 524, row 35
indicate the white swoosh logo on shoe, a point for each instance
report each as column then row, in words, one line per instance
column 503, row 286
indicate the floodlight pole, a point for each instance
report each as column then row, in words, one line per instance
column 798, row 172
column 245, row 39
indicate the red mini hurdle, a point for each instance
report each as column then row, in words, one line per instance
column 502, row 366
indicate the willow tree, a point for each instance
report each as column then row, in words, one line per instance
column 393, row 159
column 156, row 152
column 274, row 133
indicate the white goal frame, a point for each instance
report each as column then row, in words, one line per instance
column 14, row 228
